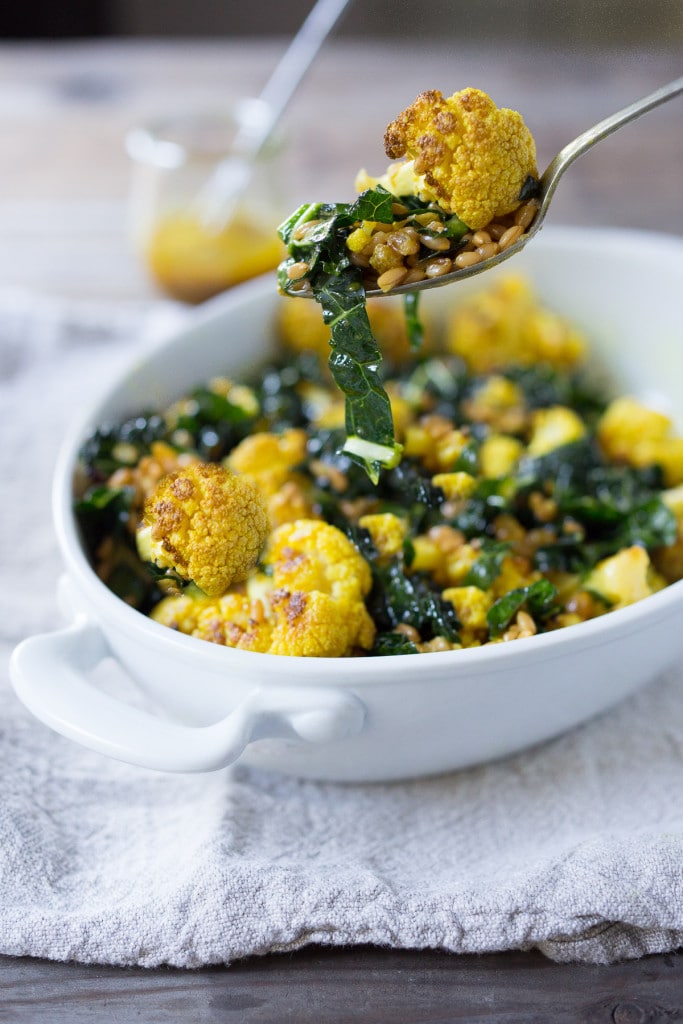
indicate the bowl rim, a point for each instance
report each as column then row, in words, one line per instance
column 117, row 615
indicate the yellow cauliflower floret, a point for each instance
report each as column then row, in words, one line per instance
column 471, row 605
column 551, row 428
column 315, row 625
column 471, row 157
column 310, row 605
column 435, row 442
column 388, row 531
column 233, row 620
column 319, row 581
column 181, row 611
column 498, row 454
column 624, row 578
column 499, row 402
column 631, row 432
column 514, row 573
column 453, row 566
column 206, row 524
column 504, row 325
column 268, row 459
column 427, row 554
column 625, row 423
column 399, row 178
column 312, row 555
column 455, row 486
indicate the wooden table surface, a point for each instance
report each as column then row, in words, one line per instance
column 64, row 180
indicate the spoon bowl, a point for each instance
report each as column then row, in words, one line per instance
column 548, row 183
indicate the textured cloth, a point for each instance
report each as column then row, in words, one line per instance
column 575, row 847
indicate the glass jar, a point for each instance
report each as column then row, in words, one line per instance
column 172, row 161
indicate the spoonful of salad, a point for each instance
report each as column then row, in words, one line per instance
column 465, row 196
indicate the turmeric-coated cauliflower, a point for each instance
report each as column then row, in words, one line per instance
column 205, row 524
column 268, row 459
column 308, row 602
column 469, row 156
column 631, row 432
column 624, row 578
column 506, row 325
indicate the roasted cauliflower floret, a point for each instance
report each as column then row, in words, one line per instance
column 498, row 455
column 205, row 524
column 319, row 582
column 551, row 428
column 504, row 325
column 471, row 605
column 624, row 578
column 388, row 531
column 269, row 461
column 312, row 555
column 308, row 603
column 469, row 156
column 630, row 432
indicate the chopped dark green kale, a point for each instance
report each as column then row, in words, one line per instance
column 414, row 326
column 601, row 508
column 486, row 569
column 115, row 446
column 398, row 597
column 539, row 599
column 338, row 288
column 531, row 188
column 103, row 515
column 393, row 643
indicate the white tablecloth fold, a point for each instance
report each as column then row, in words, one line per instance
column 575, row 847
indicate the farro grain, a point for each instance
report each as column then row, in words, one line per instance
column 438, row 267
column 467, row 259
column 391, row 278
column 510, row 236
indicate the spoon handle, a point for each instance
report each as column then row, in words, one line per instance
column 218, row 197
column 591, row 136
column 299, row 56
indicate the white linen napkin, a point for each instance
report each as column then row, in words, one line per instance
column 575, row 847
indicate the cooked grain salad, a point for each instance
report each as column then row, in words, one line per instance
column 523, row 501
column 464, row 191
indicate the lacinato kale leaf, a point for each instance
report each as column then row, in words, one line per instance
column 373, row 204
column 539, row 599
column 103, row 512
column 393, row 643
column 354, row 364
column 486, row 569
column 607, row 507
column 315, row 234
column 414, row 326
column 398, row 597
column 113, row 446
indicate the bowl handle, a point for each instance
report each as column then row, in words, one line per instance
column 49, row 675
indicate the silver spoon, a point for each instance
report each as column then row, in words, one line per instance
column 219, row 196
column 549, row 181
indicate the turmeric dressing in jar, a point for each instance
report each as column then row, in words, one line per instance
column 191, row 263
column 172, row 162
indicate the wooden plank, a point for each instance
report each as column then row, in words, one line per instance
column 351, row 985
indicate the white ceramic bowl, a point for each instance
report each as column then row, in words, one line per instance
column 364, row 718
